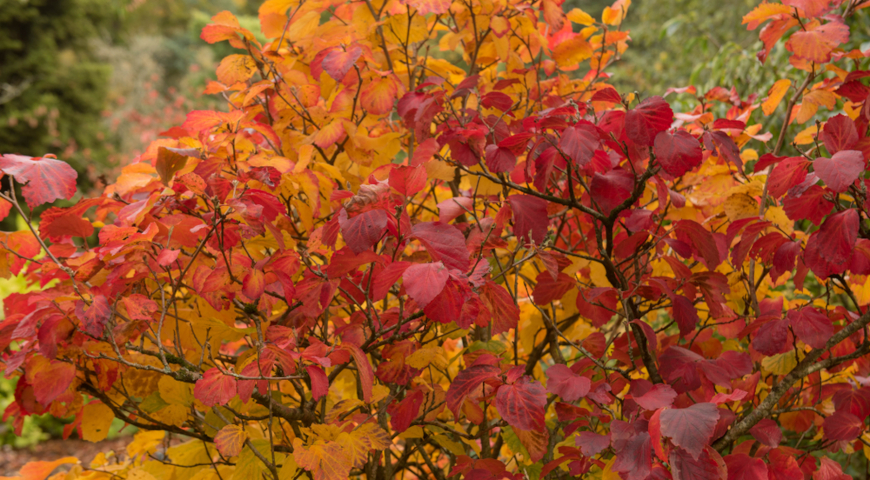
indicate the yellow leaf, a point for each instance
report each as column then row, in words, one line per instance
column 139, row 474
column 96, row 420
column 248, row 466
column 740, row 206
column 775, row 95
column 415, row 431
column 580, row 17
column 236, row 68
column 325, row 461
column 779, row 364
column 230, row 440
column 438, row 170
column 288, row 470
column 303, row 26
column 145, row 442
column 423, row 357
column 358, row 443
column 174, row 392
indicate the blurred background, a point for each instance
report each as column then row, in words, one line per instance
column 94, row 81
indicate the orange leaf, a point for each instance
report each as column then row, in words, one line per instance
column 378, row 96
column 816, row 45
column 49, row 378
column 775, row 95
column 41, row 470
column 230, row 440
column 236, row 68
column 811, row 102
column 325, row 461
column 571, row 52
column 764, row 12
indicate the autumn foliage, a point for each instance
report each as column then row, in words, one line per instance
column 428, row 239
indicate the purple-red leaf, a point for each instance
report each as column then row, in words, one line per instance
column 424, row 281
column 47, row 179
column 522, row 404
column 466, row 382
column 363, row 231
column 645, row 121
column 677, row 153
column 530, row 217
column 444, row 242
column 841, row 170
column 562, row 381
column 690, row 428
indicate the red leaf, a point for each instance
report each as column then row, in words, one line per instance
column 338, row 62
column 408, row 180
column 47, row 179
column 140, row 307
column 786, row 174
column 444, row 242
column 611, row 189
column 810, row 205
column 364, row 367
column 549, row 290
column 319, row 381
column 96, row 316
column 424, row 281
column 645, row 121
column 364, row 230
column 811, row 326
column 677, row 153
column 841, row 170
column 562, row 381
column 772, row 338
column 661, row 395
column 782, row 466
column 530, row 217
column 839, row 134
column 215, row 388
column 592, row 444
column 167, row 257
column 838, row 235
column 829, row 470
column 49, row 378
column 690, row 428
column 701, row 240
column 685, row 314
column 743, row 467
column 767, row 432
column 499, row 100
column 466, row 382
column 522, row 404
column 843, row 426
column 403, row 413
column 505, row 313
column 856, row 402
column 701, row 467
column 500, row 159
column 580, row 142
column 447, row 306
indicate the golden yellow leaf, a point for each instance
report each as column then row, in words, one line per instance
column 811, row 102
column 236, row 68
column 739, row 206
column 145, row 442
column 96, row 420
column 775, row 95
column 580, row 17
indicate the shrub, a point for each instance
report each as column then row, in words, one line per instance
column 380, row 263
